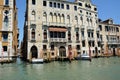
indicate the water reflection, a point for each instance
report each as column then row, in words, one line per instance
column 101, row 68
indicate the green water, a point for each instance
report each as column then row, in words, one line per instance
column 98, row 69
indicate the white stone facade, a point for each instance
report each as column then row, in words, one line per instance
column 53, row 28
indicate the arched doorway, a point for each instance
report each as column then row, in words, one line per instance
column 62, row 51
column 34, row 52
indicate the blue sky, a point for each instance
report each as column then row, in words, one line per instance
column 106, row 9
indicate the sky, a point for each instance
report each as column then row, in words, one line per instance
column 106, row 9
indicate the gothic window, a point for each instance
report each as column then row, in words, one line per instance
column 77, row 36
column 83, row 43
column 45, row 34
column 62, row 6
column 52, row 47
column 68, row 7
column 51, row 17
column 69, row 35
column 33, row 15
column 50, row 4
column 78, row 47
column 6, row 20
column 33, row 34
column 44, row 17
column 5, row 36
column 68, row 18
column 62, row 19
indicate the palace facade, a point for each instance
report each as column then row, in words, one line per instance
column 8, row 29
column 56, row 28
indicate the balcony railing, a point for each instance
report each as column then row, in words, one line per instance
column 82, row 27
column 55, row 24
column 77, row 25
column 90, row 28
column 58, row 40
column 99, row 39
column 91, row 38
column 83, row 38
column 114, row 42
column 45, row 41
column 33, row 40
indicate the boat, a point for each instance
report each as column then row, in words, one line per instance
column 85, row 57
column 37, row 60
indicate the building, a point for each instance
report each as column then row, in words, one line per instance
column 9, row 32
column 55, row 28
column 109, row 37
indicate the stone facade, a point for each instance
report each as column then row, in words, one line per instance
column 109, row 37
column 56, row 28
column 8, row 29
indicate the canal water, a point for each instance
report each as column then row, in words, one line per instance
column 98, row 69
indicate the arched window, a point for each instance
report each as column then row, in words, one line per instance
column 59, row 18
column 77, row 36
column 33, row 15
column 45, row 34
column 55, row 18
column 45, row 17
column 62, row 18
column 33, row 34
column 6, row 21
column 68, row 19
column 88, row 21
column 69, row 35
column 51, row 17
column 81, row 20
column 76, row 19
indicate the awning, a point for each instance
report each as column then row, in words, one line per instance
column 58, row 29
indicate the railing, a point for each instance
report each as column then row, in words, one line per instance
column 98, row 39
column 114, row 42
column 33, row 40
column 58, row 40
column 83, row 38
column 55, row 24
column 90, row 28
column 77, row 25
column 45, row 41
column 82, row 27
column 91, row 38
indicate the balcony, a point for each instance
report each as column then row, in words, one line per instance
column 82, row 27
column 98, row 39
column 69, row 41
column 45, row 41
column 5, row 29
column 90, row 38
column 33, row 22
column 69, row 25
column 83, row 38
column 98, row 29
column 45, row 23
column 33, row 40
column 77, row 25
column 77, row 41
column 90, row 28
column 55, row 24
column 114, row 42
column 58, row 40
